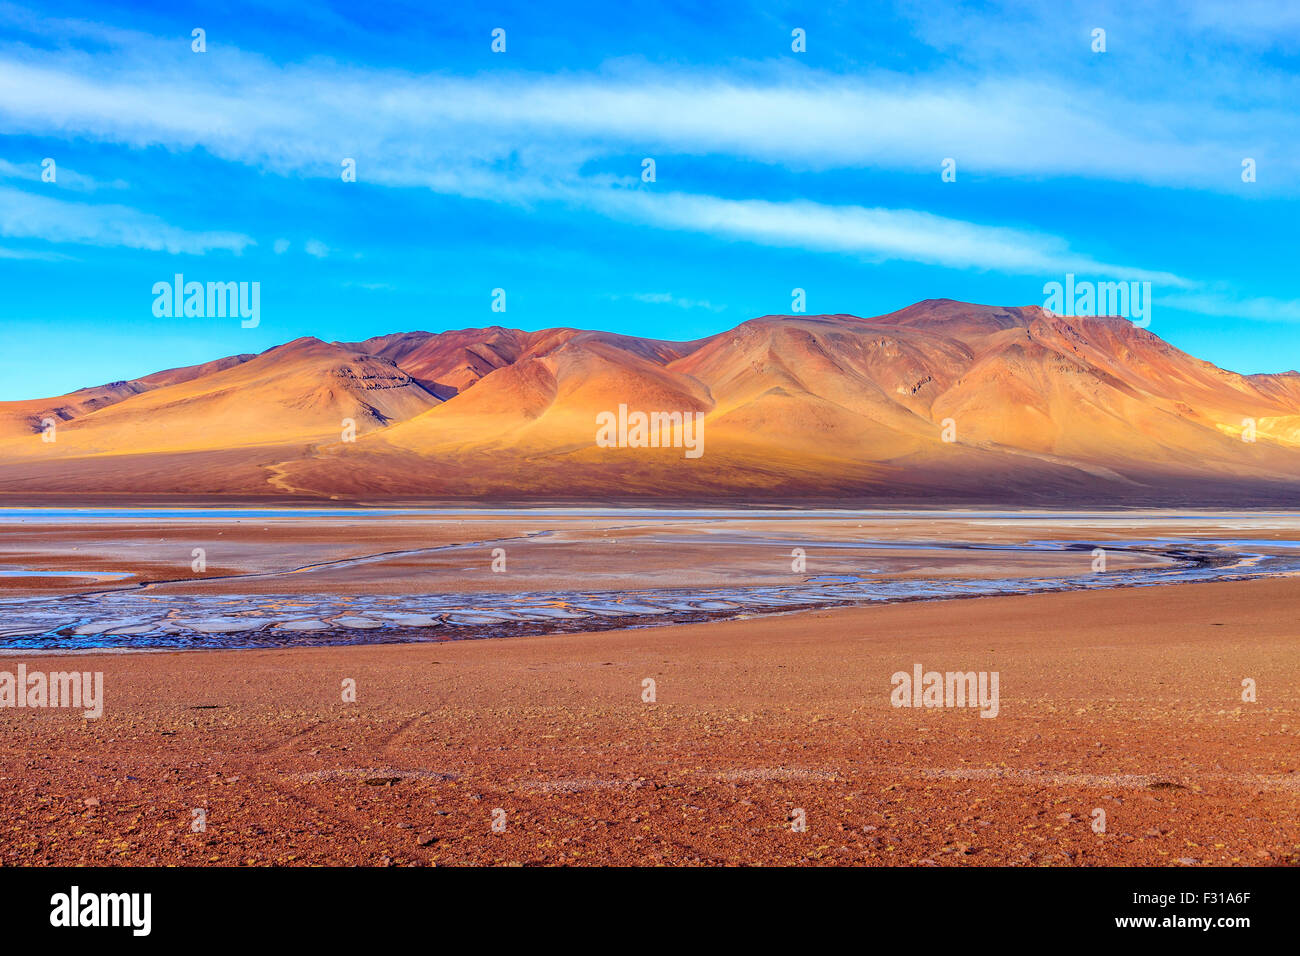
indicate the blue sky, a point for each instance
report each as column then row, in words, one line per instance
column 522, row 170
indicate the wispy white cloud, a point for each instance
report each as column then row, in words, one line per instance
column 530, row 139
column 1256, row 308
column 879, row 234
column 306, row 117
column 25, row 215
column 64, row 178
column 316, row 248
column 32, row 255
column 677, row 302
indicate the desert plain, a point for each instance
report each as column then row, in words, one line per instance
column 768, row 737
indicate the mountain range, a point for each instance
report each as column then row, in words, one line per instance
column 943, row 402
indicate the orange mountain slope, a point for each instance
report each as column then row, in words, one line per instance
column 941, row 401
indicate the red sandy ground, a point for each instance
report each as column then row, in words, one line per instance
column 1128, row 701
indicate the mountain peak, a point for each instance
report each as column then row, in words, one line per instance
column 941, row 400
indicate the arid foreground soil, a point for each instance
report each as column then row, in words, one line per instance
column 1125, row 701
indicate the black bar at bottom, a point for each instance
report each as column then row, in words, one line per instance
column 941, row 906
